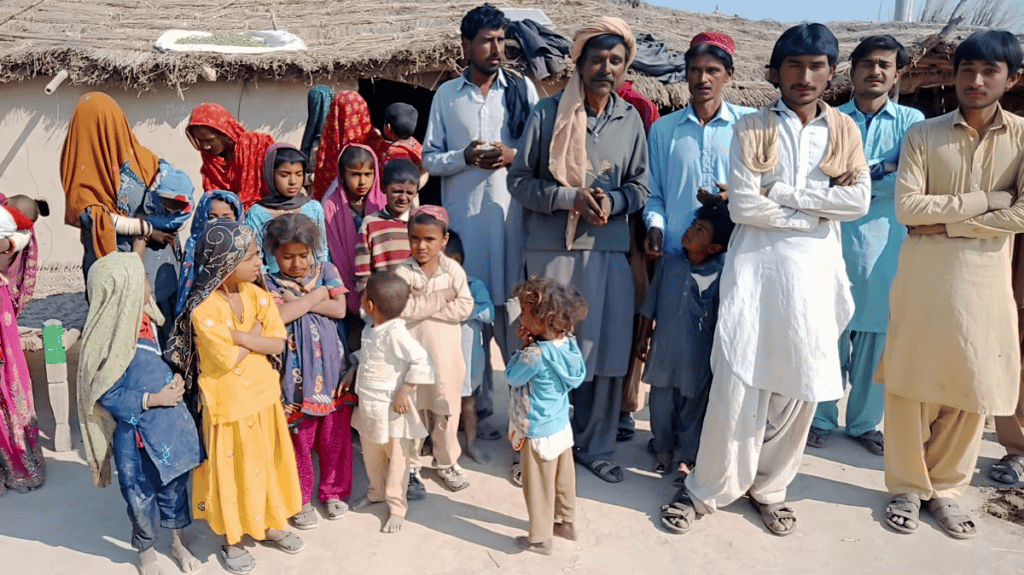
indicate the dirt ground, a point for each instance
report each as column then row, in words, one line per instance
column 70, row 527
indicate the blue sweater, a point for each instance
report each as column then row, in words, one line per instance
column 541, row 376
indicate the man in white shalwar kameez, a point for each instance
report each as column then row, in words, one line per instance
column 798, row 170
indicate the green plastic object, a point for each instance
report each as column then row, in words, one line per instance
column 53, row 343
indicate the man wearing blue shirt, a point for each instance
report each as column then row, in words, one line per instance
column 689, row 149
column 871, row 244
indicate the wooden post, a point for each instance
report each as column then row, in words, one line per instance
column 57, row 382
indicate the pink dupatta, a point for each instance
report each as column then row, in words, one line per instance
column 342, row 235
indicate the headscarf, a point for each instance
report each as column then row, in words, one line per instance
column 218, row 252
column 348, row 122
column 174, row 185
column 342, row 235
column 568, row 157
column 115, row 288
column 20, row 275
column 244, row 174
column 318, row 101
column 273, row 198
column 648, row 110
column 199, row 222
column 98, row 144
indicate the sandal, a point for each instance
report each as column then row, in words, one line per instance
column 1009, row 469
column 305, row 519
column 906, row 506
column 677, row 517
column 949, row 516
column 290, row 543
column 240, row 565
column 517, row 474
column 335, row 508
column 663, row 462
column 773, row 514
column 606, row 470
column 682, row 471
column 488, row 433
column 816, row 437
column 873, row 442
column 624, row 434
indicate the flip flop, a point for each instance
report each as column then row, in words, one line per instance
column 335, row 508
column 290, row 543
column 677, row 517
column 949, row 515
column 663, row 462
column 488, row 433
column 606, row 470
column 624, row 434
column 816, row 437
column 241, row 565
column 772, row 514
column 1009, row 469
column 907, row 506
column 517, row 474
column 873, row 442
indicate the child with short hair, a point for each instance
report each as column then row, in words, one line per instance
column 472, row 347
column 284, row 171
column 439, row 303
column 540, row 376
column 130, row 403
column 223, row 341
column 312, row 300
column 384, row 237
column 400, row 121
column 391, row 364
column 682, row 303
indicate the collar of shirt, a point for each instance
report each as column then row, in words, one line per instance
column 997, row 121
column 725, row 114
column 466, row 82
column 390, row 324
column 781, row 107
column 850, row 108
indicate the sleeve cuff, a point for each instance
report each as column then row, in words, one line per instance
column 565, row 198
column 780, row 194
column 959, row 229
column 654, row 220
column 975, row 204
column 619, row 202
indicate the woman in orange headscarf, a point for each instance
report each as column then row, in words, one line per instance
column 117, row 190
column 232, row 157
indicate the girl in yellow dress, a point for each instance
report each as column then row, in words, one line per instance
column 249, row 484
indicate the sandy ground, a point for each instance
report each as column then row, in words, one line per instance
column 70, row 527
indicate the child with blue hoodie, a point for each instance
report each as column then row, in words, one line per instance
column 541, row 376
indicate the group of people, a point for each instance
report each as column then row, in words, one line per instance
column 315, row 295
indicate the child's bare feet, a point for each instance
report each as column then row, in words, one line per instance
column 393, row 524
column 181, row 555
column 474, row 452
column 545, row 548
column 364, row 503
column 565, row 530
column 146, row 563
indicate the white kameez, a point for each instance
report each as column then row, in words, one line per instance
column 785, row 293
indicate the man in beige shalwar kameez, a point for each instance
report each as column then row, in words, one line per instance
column 952, row 356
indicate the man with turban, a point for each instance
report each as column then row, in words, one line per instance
column 581, row 168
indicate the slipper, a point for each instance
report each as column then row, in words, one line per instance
column 240, row 565
column 949, row 516
column 873, row 442
column 816, row 437
column 677, row 517
column 773, row 513
column 335, row 508
column 663, row 462
column 517, row 474
column 906, row 506
column 624, row 434
column 305, row 519
column 487, row 433
column 682, row 471
column 290, row 544
column 606, row 470
column 1009, row 469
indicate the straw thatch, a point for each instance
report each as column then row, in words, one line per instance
column 110, row 41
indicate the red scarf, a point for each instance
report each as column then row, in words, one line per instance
column 244, row 174
column 348, row 122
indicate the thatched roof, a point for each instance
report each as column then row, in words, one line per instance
column 110, row 41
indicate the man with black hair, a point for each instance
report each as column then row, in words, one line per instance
column 689, row 149
column 871, row 244
column 475, row 122
column 797, row 169
column 952, row 354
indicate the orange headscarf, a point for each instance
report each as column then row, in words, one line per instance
column 348, row 122
column 98, row 143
